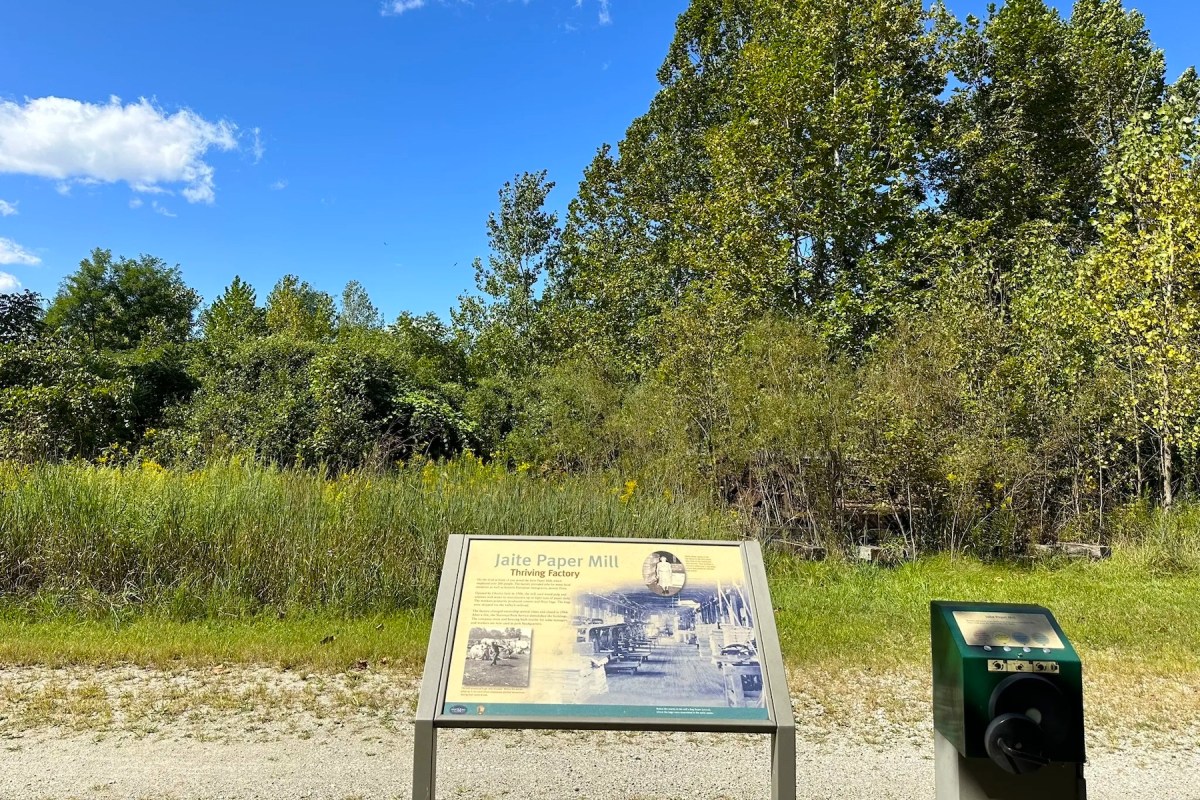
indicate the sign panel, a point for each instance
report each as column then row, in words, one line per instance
column 1007, row 629
column 604, row 629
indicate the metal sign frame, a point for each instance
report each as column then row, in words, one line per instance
column 429, row 717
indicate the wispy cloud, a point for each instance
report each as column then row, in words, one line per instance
column 279, row 185
column 258, row 148
column 135, row 202
column 7, row 209
column 9, row 283
column 136, row 143
column 394, row 8
column 13, row 253
column 161, row 209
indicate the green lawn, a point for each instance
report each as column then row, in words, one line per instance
column 1114, row 611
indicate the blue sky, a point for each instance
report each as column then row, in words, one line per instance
column 333, row 140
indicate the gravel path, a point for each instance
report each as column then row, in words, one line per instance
column 255, row 735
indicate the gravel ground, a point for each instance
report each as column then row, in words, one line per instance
column 131, row 734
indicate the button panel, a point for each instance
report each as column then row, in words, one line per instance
column 1018, row 665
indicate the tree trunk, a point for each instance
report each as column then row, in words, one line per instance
column 1167, row 474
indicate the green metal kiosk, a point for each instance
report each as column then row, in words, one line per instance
column 1007, row 704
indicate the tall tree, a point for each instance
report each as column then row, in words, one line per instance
column 116, row 304
column 779, row 163
column 1037, row 104
column 523, row 237
column 234, row 316
column 357, row 311
column 1142, row 281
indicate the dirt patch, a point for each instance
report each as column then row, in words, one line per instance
column 245, row 733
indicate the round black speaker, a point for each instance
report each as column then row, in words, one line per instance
column 1039, row 699
column 1015, row 742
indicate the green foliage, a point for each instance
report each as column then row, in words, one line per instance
column 59, row 400
column 369, row 407
column 298, row 310
column 357, row 311
column 1141, row 283
column 257, row 402
column 118, row 304
column 233, row 317
column 1039, row 102
column 502, row 322
column 779, row 167
column 20, row 317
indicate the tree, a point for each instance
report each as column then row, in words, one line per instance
column 1141, row 283
column 357, row 311
column 816, row 176
column 296, row 309
column 780, row 164
column 523, row 238
column 62, row 400
column 233, row 317
column 21, row 316
column 116, row 304
column 1038, row 102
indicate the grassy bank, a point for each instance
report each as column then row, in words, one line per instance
column 242, row 564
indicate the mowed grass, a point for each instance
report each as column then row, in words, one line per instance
column 1115, row 612
column 830, row 616
column 315, row 642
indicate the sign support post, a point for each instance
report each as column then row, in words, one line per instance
column 437, row 656
column 592, row 634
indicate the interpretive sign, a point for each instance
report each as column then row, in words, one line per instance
column 638, row 634
column 604, row 629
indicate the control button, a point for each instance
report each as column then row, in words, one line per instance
column 988, row 647
column 1007, row 648
column 1045, row 649
column 1026, row 649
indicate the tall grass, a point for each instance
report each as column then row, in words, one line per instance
column 237, row 539
column 100, row 564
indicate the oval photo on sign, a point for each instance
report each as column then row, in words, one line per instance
column 664, row 573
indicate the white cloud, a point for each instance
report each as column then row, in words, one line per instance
column 13, row 253
column 9, row 283
column 258, row 149
column 135, row 202
column 7, row 209
column 279, row 185
column 75, row 142
column 394, row 8
column 161, row 210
